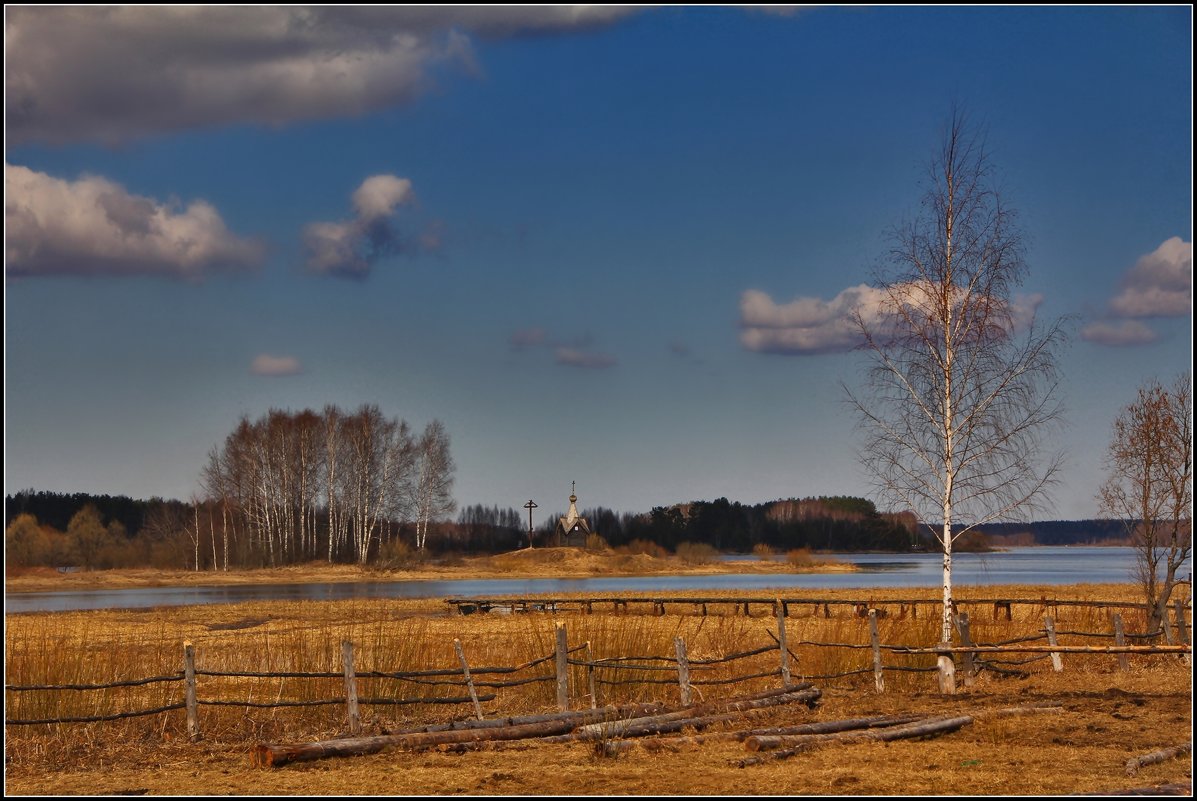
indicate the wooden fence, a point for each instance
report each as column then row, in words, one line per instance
column 676, row 668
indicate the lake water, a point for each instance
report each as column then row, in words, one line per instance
column 1040, row 565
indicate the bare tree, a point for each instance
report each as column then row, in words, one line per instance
column 961, row 381
column 434, row 483
column 1149, row 486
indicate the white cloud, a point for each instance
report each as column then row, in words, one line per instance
column 808, row 326
column 1159, row 285
column 1118, row 333
column 379, row 195
column 580, row 357
column 350, row 248
column 93, row 226
column 112, row 73
column 265, row 364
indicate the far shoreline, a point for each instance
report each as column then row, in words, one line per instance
column 564, row 563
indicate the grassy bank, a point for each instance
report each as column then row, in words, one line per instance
column 1106, row 715
column 527, row 563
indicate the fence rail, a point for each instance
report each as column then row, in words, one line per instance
column 974, row 658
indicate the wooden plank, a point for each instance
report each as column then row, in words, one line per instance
column 1050, row 626
column 1120, row 639
column 966, row 640
column 465, row 669
column 875, row 640
column 683, row 670
column 781, row 642
column 193, row 729
column 562, row 669
column 355, row 723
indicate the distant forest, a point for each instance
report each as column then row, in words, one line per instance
column 101, row 531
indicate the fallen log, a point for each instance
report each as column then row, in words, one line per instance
column 613, row 747
column 580, row 716
column 692, row 716
column 791, row 745
column 265, row 755
column 268, row 755
column 1164, row 754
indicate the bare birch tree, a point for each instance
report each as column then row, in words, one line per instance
column 1149, row 486
column 434, row 484
column 961, row 382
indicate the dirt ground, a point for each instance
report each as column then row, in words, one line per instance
column 1104, row 720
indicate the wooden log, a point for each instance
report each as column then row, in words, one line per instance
column 673, row 722
column 274, row 755
column 355, row 723
column 654, row 724
column 1120, row 639
column 781, row 642
column 465, row 669
column 193, row 729
column 562, row 669
column 789, row 746
column 683, row 670
column 677, row 743
column 875, row 640
column 1164, row 754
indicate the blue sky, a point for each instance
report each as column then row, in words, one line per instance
column 548, row 227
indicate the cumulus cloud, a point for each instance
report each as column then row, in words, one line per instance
column 93, row 226
column 350, row 248
column 580, row 357
column 1118, row 333
column 808, row 326
column 113, row 73
column 1159, row 285
column 265, row 364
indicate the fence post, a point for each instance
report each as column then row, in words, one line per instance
column 1120, row 640
column 562, row 669
column 1182, row 627
column 590, row 677
column 947, row 672
column 878, row 677
column 1050, row 626
column 781, row 642
column 355, row 724
column 193, row 729
column 683, row 670
column 970, row 668
column 465, row 669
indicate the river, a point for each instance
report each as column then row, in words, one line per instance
column 1045, row 565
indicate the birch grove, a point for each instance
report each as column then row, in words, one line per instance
column 333, row 485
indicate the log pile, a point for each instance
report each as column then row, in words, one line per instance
column 634, row 720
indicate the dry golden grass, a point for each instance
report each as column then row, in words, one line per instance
column 1107, row 717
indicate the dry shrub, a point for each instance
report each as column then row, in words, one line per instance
column 800, row 557
column 643, row 547
column 762, row 551
column 697, row 553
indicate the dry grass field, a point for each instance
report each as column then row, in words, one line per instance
column 1104, row 716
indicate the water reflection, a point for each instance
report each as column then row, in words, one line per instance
column 1044, row 565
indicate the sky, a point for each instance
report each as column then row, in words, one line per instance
column 614, row 245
